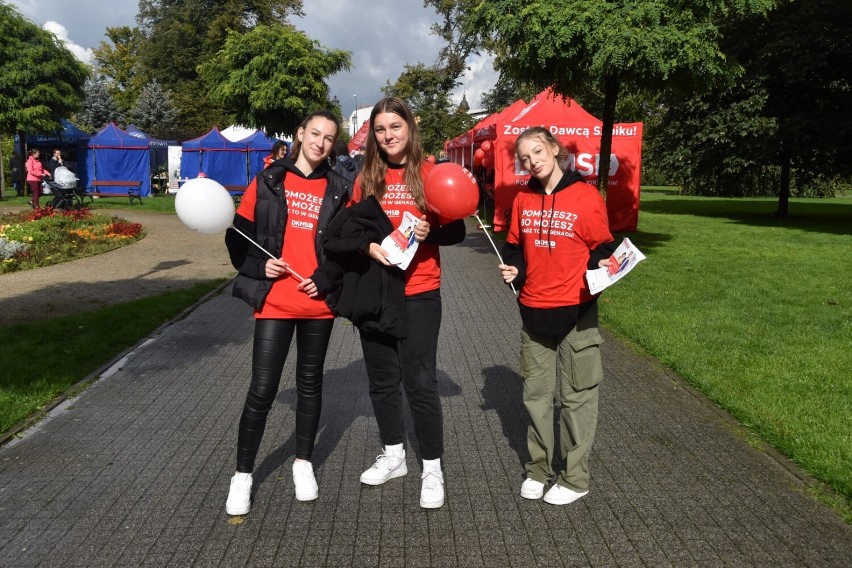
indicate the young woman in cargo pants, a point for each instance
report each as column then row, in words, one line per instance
column 558, row 229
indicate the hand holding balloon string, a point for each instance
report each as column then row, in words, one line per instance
column 452, row 192
column 204, row 205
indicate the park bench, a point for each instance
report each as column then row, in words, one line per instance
column 133, row 190
column 236, row 192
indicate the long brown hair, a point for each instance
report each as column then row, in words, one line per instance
column 372, row 177
column 297, row 145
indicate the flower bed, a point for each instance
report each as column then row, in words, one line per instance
column 49, row 236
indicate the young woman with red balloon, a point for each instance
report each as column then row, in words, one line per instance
column 558, row 229
column 399, row 330
column 285, row 209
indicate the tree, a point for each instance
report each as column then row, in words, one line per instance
column 426, row 90
column 655, row 44
column 119, row 62
column 768, row 132
column 505, row 92
column 272, row 76
column 40, row 80
column 179, row 35
column 154, row 111
column 98, row 107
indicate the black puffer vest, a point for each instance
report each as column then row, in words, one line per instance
column 268, row 228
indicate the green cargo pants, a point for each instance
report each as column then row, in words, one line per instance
column 573, row 365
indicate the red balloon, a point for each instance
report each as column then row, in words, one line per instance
column 488, row 161
column 451, row 191
column 478, row 156
column 430, row 158
column 486, row 145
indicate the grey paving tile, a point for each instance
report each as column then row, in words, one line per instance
column 136, row 473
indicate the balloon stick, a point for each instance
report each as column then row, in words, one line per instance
column 500, row 258
column 290, row 270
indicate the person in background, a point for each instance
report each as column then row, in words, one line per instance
column 285, row 209
column 400, row 345
column 560, row 343
column 15, row 174
column 35, row 176
column 55, row 161
column 279, row 150
column 344, row 164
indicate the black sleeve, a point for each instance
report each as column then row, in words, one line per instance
column 600, row 253
column 450, row 234
column 513, row 255
column 328, row 275
column 245, row 257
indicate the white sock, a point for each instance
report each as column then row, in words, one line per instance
column 395, row 450
column 433, row 466
column 236, row 473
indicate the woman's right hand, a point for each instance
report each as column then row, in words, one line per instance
column 509, row 273
column 377, row 253
column 276, row 268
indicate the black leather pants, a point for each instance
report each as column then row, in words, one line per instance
column 271, row 342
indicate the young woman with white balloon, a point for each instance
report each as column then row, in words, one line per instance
column 558, row 230
column 400, row 343
column 284, row 210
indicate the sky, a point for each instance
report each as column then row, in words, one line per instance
column 382, row 35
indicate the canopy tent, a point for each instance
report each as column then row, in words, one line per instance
column 360, row 138
column 159, row 149
column 237, row 132
column 217, row 157
column 69, row 139
column 68, row 136
column 580, row 133
column 114, row 155
column 258, row 146
column 463, row 145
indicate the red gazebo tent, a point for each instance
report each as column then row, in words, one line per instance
column 580, row 132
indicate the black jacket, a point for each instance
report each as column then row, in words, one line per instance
column 370, row 295
column 268, row 229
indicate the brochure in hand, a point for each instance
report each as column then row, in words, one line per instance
column 400, row 244
column 622, row 261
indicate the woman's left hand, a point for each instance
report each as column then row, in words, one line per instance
column 421, row 231
column 603, row 263
column 309, row 287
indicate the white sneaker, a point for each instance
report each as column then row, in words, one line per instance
column 387, row 467
column 558, row 495
column 532, row 489
column 432, row 490
column 239, row 497
column 304, row 480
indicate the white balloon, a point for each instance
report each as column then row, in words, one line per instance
column 202, row 204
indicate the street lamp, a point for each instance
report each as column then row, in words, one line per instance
column 355, row 125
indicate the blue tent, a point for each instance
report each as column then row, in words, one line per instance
column 216, row 156
column 258, row 145
column 68, row 136
column 159, row 148
column 114, row 155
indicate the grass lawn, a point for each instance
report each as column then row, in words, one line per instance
column 77, row 345
column 161, row 202
column 754, row 311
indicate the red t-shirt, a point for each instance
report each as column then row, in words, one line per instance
column 304, row 198
column 424, row 272
column 557, row 232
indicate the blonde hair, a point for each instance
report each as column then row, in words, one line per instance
column 372, row 176
column 545, row 136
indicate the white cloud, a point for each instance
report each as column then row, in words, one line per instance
column 477, row 80
column 84, row 54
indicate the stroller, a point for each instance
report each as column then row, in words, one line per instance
column 63, row 188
